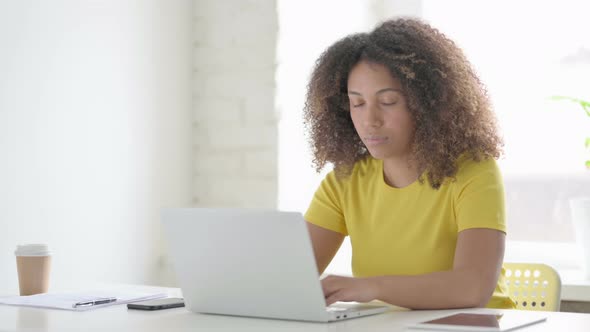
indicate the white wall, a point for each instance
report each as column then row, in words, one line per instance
column 95, row 133
column 235, row 134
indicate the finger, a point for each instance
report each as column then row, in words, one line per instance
column 335, row 297
column 329, row 285
column 343, row 295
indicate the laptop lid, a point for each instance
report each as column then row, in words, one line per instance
column 245, row 262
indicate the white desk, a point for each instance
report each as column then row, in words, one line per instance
column 119, row 318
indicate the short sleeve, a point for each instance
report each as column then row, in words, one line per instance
column 479, row 200
column 325, row 209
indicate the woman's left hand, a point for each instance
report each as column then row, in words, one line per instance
column 338, row 288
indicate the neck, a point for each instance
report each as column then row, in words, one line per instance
column 400, row 172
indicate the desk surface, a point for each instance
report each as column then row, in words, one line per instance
column 119, row 318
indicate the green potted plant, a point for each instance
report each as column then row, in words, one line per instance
column 580, row 206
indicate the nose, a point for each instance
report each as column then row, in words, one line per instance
column 373, row 117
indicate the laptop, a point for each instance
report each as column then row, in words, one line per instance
column 250, row 263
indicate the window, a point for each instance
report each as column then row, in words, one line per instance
column 526, row 52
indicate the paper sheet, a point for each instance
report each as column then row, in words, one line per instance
column 66, row 301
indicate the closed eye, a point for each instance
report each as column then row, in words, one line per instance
column 389, row 104
column 358, row 105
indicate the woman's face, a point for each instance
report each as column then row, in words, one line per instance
column 379, row 111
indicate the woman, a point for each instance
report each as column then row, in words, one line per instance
column 407, row 124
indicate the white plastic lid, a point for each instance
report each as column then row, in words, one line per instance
column 32, row 250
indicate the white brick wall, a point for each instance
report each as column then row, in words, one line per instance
column 235, row 122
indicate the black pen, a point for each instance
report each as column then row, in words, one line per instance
column 95, row 302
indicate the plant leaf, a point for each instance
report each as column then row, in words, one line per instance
column 561, row 98
column 587, row 144
column 567, row 98
column 585, row 105
column 588, row 164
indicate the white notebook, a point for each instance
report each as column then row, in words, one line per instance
column 80, row 301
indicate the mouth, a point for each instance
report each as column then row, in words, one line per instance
column 375, row 140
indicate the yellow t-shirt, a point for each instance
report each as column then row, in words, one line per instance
column 411, row 230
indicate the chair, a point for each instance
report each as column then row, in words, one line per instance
column 533, row 286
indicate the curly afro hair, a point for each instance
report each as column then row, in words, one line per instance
column 447, row 101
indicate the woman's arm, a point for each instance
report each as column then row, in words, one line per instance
column 477, row 264
column 325, row 245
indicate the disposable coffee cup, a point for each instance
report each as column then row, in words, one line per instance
column 33, row 264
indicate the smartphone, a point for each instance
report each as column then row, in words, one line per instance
column 158, row 304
